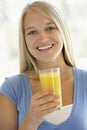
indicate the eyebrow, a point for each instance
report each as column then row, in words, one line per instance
column 32, row 27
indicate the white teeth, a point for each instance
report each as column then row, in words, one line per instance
column 44, row 47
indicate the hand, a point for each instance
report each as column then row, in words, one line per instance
column 41, row 104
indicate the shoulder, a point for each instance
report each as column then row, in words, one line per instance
column 80, row 71
column 15, row 87
column 16, row 79
column 15, row 82
column 80, row 74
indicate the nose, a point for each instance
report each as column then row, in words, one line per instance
column 43, row 37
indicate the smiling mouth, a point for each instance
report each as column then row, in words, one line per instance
column 45, row 47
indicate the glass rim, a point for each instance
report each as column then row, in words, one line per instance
column 49, row 70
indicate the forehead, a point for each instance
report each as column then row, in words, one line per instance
column 34, row 17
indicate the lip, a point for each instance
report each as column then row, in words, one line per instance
column 44, row 48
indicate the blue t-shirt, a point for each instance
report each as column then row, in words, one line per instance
column 17, row 89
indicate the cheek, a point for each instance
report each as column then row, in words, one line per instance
column 30, row 46
column 57, row 36
column 29, row 43
column 58, row 39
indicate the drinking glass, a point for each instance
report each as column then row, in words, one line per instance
column 50, row 78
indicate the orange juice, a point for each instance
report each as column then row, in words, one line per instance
column 51, row 80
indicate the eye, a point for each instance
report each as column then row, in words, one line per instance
column 51, row 28
column 32, row 32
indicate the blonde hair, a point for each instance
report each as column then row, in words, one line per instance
column 27, row 62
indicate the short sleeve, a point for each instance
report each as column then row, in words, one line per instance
column 10, row 89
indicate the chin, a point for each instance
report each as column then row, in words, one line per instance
column 48, row 60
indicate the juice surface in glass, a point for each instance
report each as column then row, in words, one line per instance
column 51, row 80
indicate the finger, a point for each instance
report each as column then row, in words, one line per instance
column 44, row 93
column 47, row 111
column 48, row 99
column 48, row 106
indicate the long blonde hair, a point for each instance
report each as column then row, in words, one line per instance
column 27, row 62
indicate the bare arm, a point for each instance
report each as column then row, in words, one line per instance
column 8, row 114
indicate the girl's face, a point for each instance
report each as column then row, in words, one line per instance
column 42, row 37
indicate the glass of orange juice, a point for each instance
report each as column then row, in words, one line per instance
column 50, row 78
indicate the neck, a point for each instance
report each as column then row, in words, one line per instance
column 65, row 70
